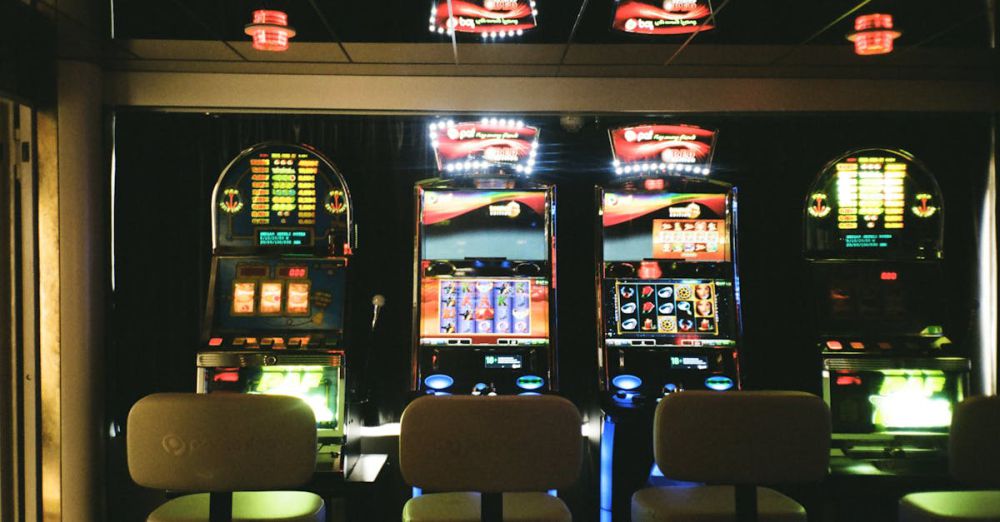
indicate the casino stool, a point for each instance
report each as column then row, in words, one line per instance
column 735, row 441
column 974, row 459
column 222, row 443
column 505, row 449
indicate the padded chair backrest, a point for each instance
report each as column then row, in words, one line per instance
column 490, row 444
column 742, row 437
column 974, row 442
column 221, row 442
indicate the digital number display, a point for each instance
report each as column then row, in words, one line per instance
column 666, row 307
column 284, row 238
column 251, row 271
column 292, row 272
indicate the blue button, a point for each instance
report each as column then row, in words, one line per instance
column 438, row 381
column 626, row 382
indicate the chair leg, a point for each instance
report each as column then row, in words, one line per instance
column 746, row 503
column 491, row 507
column 220, row 507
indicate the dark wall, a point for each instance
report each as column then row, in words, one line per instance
column 166, row 165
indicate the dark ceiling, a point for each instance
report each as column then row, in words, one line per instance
column 924, row 23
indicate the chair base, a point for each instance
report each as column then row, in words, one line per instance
column 248, row 506
column 465, row 507
column 710, row 504
column 942, row 506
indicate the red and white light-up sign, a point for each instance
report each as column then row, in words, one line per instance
column 270, row 30
column 490, row 145
column 673, row 149
column 489, row 18
column 662, row 16
column 873, row 34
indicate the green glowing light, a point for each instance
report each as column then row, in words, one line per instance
column 308, row 383
column 912, row 399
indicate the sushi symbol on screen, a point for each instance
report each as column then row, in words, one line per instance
column 628, row 308
column 629, row 324
column 627, row 292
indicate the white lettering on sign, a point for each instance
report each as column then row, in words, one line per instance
column 507, row 154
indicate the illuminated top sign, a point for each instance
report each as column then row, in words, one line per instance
column 280, row 196
column 658, row 149
column 489, row 18
column 872, row 200
column 490, row 146
column 658, row 17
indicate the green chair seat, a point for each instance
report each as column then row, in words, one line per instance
column 941, row 506
column 465, row 507
column 709, row 504
column 255, row 506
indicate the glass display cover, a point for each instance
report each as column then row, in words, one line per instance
column 874, row 203
column 507, row 224
column 484, row 310
column 688, row 227
column 668, row 308
column 894, row 400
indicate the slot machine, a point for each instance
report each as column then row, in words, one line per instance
column 484, row 296
column 274, row 318
column 874, row 243
column 668, row 286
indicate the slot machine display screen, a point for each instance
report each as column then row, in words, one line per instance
column 887, row 299
column 874, row 204
column 673, row 309
column 508, row 224
column 684, row 227
column 482, row 311
column 284, row 197
column 278, row 295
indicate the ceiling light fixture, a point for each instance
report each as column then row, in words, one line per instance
column 873, row 34
column 269, row 30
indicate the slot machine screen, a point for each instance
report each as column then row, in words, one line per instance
column 672, row 309
column 874, row 204
column 883, row 298
column 484, row 224
column 684, row 227
column 283, row 295
column 481, row 311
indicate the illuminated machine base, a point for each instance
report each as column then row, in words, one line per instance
column 893, row 407
column 316, row 378
column 493, row 370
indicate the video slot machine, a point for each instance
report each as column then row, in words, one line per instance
column 275, row 314
column 874, row 237
column 668, row 283
column 484, row 296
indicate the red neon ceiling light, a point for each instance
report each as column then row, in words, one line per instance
column 269, row 30
column 873, row 34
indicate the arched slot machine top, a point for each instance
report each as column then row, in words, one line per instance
column 874, row 204
column 277, row 197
